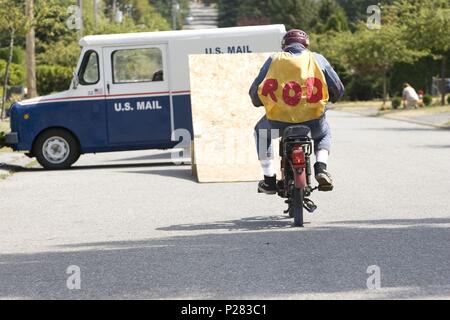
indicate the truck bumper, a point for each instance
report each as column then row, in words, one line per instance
column 10, row 139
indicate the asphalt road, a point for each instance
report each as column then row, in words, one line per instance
column 139, row 228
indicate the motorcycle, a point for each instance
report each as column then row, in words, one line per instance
column 295, row 185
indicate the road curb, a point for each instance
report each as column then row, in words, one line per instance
column 393, row 117
column 424, row 123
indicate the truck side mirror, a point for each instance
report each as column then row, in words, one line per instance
column 75, row 81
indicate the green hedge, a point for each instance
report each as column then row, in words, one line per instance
column 18, row 55
column 52, row 79
column 359, row 88
column 396, row 102
column 427, row 99
column 16, row 73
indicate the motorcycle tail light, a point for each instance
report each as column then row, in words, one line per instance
column 298, row 157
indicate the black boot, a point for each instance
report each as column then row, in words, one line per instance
column 268, row 185
column 323, row 177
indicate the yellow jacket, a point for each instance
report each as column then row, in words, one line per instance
column 295, row 89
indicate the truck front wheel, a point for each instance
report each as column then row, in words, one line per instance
column 56, row 149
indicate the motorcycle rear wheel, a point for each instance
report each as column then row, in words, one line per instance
column 297, row 206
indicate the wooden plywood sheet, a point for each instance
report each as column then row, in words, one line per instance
column 224, row 118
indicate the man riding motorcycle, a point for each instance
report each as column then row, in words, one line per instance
column 294, row 86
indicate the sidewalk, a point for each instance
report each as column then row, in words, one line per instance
column 438, row 117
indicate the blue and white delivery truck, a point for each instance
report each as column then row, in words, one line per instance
column 129, row 92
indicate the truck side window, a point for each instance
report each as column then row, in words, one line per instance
column 137, row 65
column 89, row 71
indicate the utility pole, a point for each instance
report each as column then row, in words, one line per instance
column 80, row 6
column 114, row 9
column 95, row 13
column 30, row 51
column 175, row 8
column 443, row 86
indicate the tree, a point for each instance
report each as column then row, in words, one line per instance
column 228, row 12
column 11, row 15
column 303, row 14
column 429, row 22
column 30, row 49
column 331, row 17
column 242, row 13
column 143, row 13
column 356, row 10
column 375, row 52
column 51, row 23
column 254, row 12
column 164, row 8
column 298, row 14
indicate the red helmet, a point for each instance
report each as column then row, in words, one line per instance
column 295, row 36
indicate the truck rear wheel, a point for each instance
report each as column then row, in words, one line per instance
column 56, row 149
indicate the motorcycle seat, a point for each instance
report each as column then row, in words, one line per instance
column 296, row 131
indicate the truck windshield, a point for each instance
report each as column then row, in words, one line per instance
column 89, row 69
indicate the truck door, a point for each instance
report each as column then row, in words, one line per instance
column 137, row 94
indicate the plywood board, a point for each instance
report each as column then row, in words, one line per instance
column 224, row 117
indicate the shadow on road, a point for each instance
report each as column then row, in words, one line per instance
column 437, row 146
column 93, row 167
column 125, row 165
column 11, row 167
column 311, row 262
column 245, row 224
column 174, row 171
column 397, row 222
column 160, row 156
column 278, row 222
column 184, row 174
